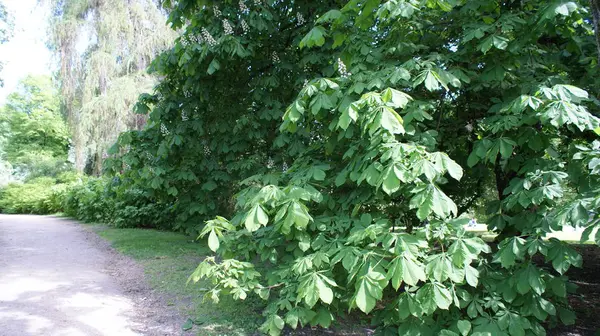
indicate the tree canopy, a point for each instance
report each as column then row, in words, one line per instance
column 36, row 136
column 100, row 86
column 330, row 153
column 6, row 28
column 357, row 137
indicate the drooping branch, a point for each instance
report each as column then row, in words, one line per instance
column 100, row 85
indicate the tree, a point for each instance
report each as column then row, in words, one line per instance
column 37, row 134
column 6, row 28
column 398, row 112
column 595, row 11
column 99, row 87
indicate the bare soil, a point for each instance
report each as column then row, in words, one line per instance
column 586, row 302
column 59, row 278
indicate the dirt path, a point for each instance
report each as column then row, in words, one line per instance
column 58, row 279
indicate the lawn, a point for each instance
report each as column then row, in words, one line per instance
column 168, row 259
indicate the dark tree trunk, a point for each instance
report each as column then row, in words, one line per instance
column 595, row 8
column 502, row 180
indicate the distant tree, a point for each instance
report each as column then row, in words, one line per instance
column 6, row 28
column 100, row 86
column 36, row 132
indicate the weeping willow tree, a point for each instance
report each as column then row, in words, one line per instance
column 104, row 47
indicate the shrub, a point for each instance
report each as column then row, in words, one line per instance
column 88, row 202
column 134, row 208
column 31, row 197
column 104, row 200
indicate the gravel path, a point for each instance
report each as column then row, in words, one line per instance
column 57, row 278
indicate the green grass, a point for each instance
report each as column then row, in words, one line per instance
column 168, row 259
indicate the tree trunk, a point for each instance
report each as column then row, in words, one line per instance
column 595, row 8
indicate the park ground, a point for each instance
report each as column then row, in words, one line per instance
column 58, row 276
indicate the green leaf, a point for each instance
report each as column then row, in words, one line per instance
column 292, row 318
column 209, row 186
column 304, row 242
column 464, row 327
column 471, row 275
column 433, row 296
column 439, row 267
column 188, row 325
column 255, row 218
column 299, row 215
column 510, row 250
column 530, row 278
column 395, row 98
column 444, row 162
column 323, row 318
column 431, row 81
column 430, row 198
column 500, row 42
column 364, row 300
column 506, row 147
column 320, row 101
column 391, row 182
column 563, row 256
column 565, row 8
column 369, row 289
column 213, row 241
column 566, row 316
column 487, row 327
column 315, row 37
column 318, row 174
column 486, row 44
column 278, row 321
column 426, row 168
column 464, row 250
column 330, row 16
column 391, row 121
column 570, row 92
column 405, row 268
column 214, row 66
column 340, row 179
column 496, row 41
column 348, row 115
column 325, row 293
column 454, row 169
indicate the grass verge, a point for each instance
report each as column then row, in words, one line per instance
column 168, row 259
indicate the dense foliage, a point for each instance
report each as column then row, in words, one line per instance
column 36, row 138
column 99, row 200
column 398, row 116
column 40, row 195
column 331, row 153
column 33, row 149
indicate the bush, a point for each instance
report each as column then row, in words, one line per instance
column 40, row 195
column 31, row 197
column 134, row 208
column 87, row 201
column 103, row 200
